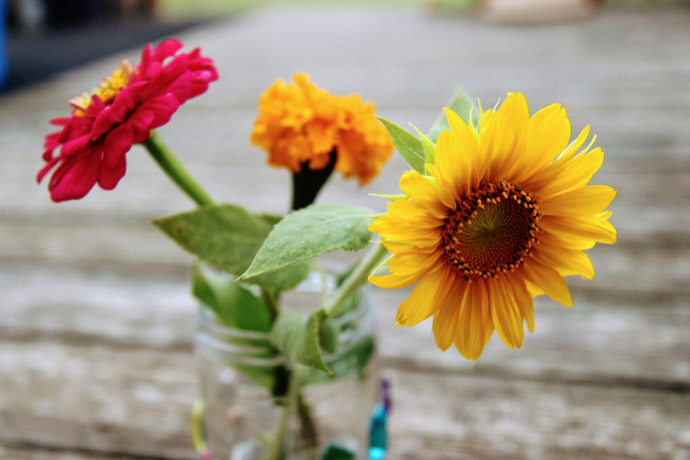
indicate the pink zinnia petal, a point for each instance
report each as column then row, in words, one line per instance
column 181, row 87
column 110, row 176
column 163, row 108
column 74, row 146
column 166, row 48
column 60, row 121
column 75, row 179
column 141, row 121
column 117, row 143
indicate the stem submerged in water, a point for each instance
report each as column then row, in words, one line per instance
column 276, row 446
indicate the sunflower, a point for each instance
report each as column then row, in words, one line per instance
column 301, row 125
column 502, row 216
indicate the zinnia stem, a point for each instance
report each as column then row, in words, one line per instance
column 174, row 169
column 357, row 278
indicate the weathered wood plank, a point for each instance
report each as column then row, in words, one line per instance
column 136, row 402
column 98, row 399
column 33, row 453
column 607, row 335
column 468, row 416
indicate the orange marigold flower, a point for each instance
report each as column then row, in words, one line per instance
column 300, row 123
column 504, row 214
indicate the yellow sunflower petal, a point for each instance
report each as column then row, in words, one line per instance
column 579, row 243
column 505, row 313
column 566, row 261
column 420, row 189
column 389, row 229
column 512, row 122
column 396, row 247
column 471, row 329
column 524, row 303
column 580, row 228
column 414, row 212
column 407, row 263
column 455, row 152
column 503, row 136
column 448, row 194
column 430, row 293
column 592, row 199
column 533, row 178
column 574, row 174
column 447, row 317
column 395, row 281
column 548, row 280
column 549, row 134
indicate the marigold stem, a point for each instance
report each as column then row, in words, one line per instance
column 357, row 278
column 174, row 169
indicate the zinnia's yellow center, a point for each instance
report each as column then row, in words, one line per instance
column 108, row 88
column 491, row 230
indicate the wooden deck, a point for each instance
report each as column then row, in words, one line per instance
column 95, row 312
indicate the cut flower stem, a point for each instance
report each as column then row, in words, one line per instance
column 174, row 169
column 357, row 278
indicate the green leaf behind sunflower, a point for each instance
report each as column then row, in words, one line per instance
column 461, row 104
column 407, row 145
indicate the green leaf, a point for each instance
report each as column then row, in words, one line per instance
column 328, row 336
column 429, row 146
column 461, row 104
column 308, row 233
column 299, row 339
column 234, row 305
column 391, row 197
column 334, row 452
column 407, row 144
column 350, row 363
column 228, row 237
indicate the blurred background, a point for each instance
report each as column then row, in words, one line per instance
column 96, row 318
column 43, row 37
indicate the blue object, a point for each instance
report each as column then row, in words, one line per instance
column 378, row 433
column 3, row 52
column 378, row 437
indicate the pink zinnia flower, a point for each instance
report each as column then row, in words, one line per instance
column 122, row 111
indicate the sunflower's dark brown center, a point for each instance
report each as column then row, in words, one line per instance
column 491, row 230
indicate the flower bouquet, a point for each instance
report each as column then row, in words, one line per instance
column 495, row 210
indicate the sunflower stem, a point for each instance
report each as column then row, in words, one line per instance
column 357, row 278
column 175, row 171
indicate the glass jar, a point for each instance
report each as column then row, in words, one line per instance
column 260, row 407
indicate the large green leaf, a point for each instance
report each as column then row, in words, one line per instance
column 234, row 305
column 299, row 338
column 229, row 237
column 308, row 233
column 407, row 144
column 461, row 104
